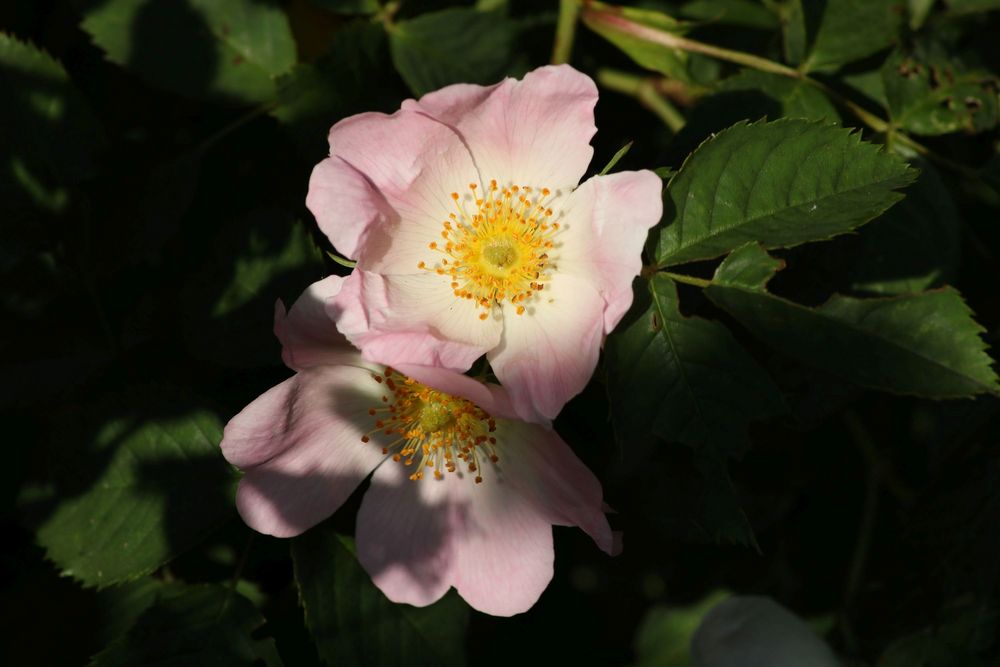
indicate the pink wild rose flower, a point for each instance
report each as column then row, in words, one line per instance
column 472, row 236
column 463, row 493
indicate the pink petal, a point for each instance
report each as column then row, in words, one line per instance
column 418, row 538
column 490, row 397
column 547, row 355
column 411, row 320
column 532, row 132
column 607, row 220
column 346, row 205
column 504, row 553
column 300, row 446
column 403, row 535
column 308, row 336
column 387, row 170
column 491, row 541
column 545, row 470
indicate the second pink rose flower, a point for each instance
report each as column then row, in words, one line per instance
column 472, row 236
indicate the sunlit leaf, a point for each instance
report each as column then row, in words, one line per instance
column 664, row 635
column 141, row 492
column 780, row 184
column 930, row 93
column 850, row 30
column 222, row 49
column 923, row 344
column 633, row 29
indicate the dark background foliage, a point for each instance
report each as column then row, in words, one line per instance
column 154, row 168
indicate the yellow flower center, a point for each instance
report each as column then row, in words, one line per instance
column 498, row 252
column 431, row 428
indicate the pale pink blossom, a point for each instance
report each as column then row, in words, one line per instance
column 472, row 235
column 463, row 493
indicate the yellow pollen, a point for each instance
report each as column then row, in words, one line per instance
column 430, row 430
column 497, row 245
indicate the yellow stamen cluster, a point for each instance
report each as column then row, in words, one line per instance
column 436, row 430
column 500, row 251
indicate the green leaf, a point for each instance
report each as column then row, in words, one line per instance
column 972, row 6
column 742, row 13
column 931, row 93
column 350, row 6
column 314, row 95
column 794, row 97
column 628, row 28
column 867, row 84
column 231, row 50
column 684, row 379
column 854, row 29
column 193, row 626
column 751, row 95
column 151, row 489
column 353, row 623
column 664, row 636
column 123, row 603
column 230, row 307
column 914, row 246
column 458, row 45
column 780, row 184
column 615, row 158
column 51, row 137
column 919, row 10
column 261, row 264
column 921, row 344
column 795, row 38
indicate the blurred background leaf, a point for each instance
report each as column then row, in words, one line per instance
column 233, row 50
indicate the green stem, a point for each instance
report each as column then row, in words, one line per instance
column 687, row 280
column 569, row 12
column 645, row 91
column 670, row 40
column 871, row 120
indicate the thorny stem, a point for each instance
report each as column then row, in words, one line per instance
column 645, row 91
column 569, row 12
column 670, row 40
